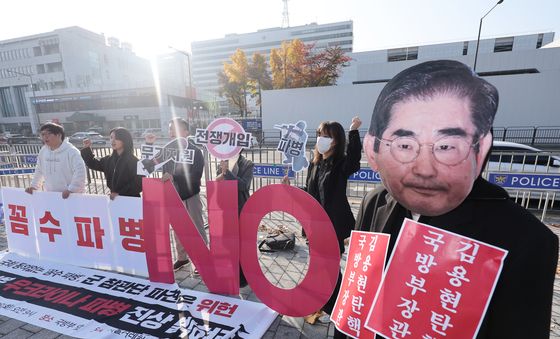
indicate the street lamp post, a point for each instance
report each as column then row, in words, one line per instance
column 479, row 30
column 33, row 113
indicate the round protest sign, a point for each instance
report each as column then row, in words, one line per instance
column 226, row 138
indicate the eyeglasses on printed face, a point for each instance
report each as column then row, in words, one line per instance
column 448, row 150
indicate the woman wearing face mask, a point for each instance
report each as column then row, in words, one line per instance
column 327, row 177
column 119, row 167
column 329, row 170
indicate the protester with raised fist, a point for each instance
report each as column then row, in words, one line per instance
column 119, row 167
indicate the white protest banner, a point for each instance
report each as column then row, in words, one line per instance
column 437, row 284
column 52, row 227
column 18, row 215
column 128, row 228
column 44, row 225
column 87, row 303
column 90, row 231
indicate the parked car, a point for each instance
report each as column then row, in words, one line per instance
column 525, row 172
column 155, row 131
column 513, row 157
column 19, row 139
column 96, row 138
column 8, row 138
column 96, row 129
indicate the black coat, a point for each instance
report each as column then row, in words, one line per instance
column 521, row 304
column 186, row 177
column 120, row 171
column 327, row 182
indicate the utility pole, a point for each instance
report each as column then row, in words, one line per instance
column 35, row 122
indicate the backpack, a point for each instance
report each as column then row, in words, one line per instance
column 278, row 242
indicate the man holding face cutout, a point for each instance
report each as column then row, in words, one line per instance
column 429, row 139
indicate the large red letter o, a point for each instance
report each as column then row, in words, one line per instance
column 324, row 257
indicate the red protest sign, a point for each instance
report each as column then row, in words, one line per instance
column 362, row 276
column 437, row 283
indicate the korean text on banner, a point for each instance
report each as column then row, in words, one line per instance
column 364, row 269
column 437, row 284
column 84, row 303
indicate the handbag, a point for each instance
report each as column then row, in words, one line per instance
column 278, row 242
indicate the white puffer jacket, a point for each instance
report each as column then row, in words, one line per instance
column 61, row 169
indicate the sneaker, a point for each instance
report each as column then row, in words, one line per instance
column 180, row 263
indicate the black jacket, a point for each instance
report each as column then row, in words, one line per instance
column 186, row 177
column 521, row 304
column 327, row 182
column 120, row 171
column 244, row 176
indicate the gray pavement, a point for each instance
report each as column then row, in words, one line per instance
column 285, row 269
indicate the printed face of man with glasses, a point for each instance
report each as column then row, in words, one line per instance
column 429, row 147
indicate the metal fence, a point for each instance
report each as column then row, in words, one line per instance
column 535, row 136
column 530, row 135
column 17, row 163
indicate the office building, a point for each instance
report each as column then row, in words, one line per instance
column 82, row 79
column 210, row 55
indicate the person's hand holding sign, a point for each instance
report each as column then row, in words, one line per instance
column 224, row 165
column 167, row 176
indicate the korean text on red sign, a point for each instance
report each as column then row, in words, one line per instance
column 364, row 269
column 437, row 285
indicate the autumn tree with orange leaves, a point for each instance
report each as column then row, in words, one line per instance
column 293, row 65
column 296, row 64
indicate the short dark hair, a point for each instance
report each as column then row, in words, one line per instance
column 52, row 128
column 124, row 135
column 429, row 79
column 334, row 130
column 180, row 121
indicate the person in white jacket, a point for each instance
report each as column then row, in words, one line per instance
column 59, row 164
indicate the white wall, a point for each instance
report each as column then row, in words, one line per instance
column 318, row 104
column 531, row 99
column 525, row 100
column 528, row 100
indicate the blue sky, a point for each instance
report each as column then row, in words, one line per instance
column 151, row 26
